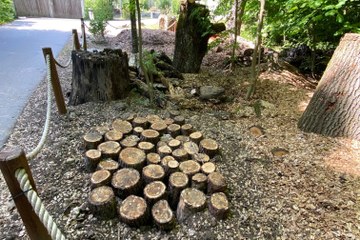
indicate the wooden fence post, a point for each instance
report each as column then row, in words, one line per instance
column 76, row 40
column 59, row 97
column 10, row 161
column 83, row 34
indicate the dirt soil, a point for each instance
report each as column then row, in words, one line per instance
column 310, row 193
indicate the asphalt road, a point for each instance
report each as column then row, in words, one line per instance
column 22, row 64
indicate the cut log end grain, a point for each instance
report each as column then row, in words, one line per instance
column 113, row 135
column 177, row 182
column 187, row 129
column 199, row 181
column 183, row 138
column 122, row 126
column 165, row 160
column 126, row 181
column 279, row 152
column 216, row 183
column 102, row 129
column 159, row 126
column 164, row 151
column 152, row 173
column 189, row 167
column 208, row 168
column 209, row 147
column 147, row 147
column 100, row 178
column 132, row 158
column 153, row 158
column 92, row 159
column 191, row 201
column 109, row 149
column 174, row 130
column 219, row 205
column 168, row 121
column 154, row 192
column 137, row 131
column 191, row 148
column 180, row 120
column 201, row 158
column 130, row 141
column 256, row 131
column 174, row 113
column 134, row 211
column 92, row 140
column 108, row 164
column 140, row 122
column 150, row 135
column 163, row 215
column 174, row 144
column 180, row 154
column 172, row 166
column 152, row 118
column 196, row 137
column 102, row 202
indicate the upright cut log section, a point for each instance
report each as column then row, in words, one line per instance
column 99, row 76
column 334, row 110
column 192, row 34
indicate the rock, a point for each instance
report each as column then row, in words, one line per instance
column 211, row 92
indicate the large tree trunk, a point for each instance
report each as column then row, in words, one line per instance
column 192, row 34
column 100, row 76
column 334, row 110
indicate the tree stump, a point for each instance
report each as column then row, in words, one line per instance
column 147, row 147
column 180, row 154
column 152, row 118
column 208, row 168
column 209, row 147
column 102, row 202
column 174, row 144
column 102, row 76
column 130, row 141
column 191, row 201
column 122, row 126
column 201, row 158
column 159, row 126
column 334, row 109
column 177, row 182
column 196, row 137
column 174, row 129
column 163, row 215
column 137, row 131
column 153, row 158
column 126, row 182
column 100, row 178
column 189, row 167
column 219, row 205
column 108, row 164
column 183, row 138
column 192, row 34
column 191, row 148
column 179, row 120
column 216, row 183
column 92, row 140
column 154, row 192
column 92, row 159
column 165, row 160
column 153, row 172
column 132, row 158
column 187, row 129
column 150, row 135
column 109, row 149
column 134, row 211
column 199, row 181
column 168, row 121
column 164, row 151
column 172, row 166
column 140, row 122
column 113, row 135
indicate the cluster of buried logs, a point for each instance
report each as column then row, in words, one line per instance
column 152, row 168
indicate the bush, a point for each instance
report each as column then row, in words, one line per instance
column 6, row 11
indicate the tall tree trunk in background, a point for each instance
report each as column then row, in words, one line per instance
column 192, row 34
column 134, row 36
column 142, row 66
column 254, row 74
column 239, row 13
column 334, row 110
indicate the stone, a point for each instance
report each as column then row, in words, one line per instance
column 211, row 92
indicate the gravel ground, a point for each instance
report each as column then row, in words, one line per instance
column 311, row 193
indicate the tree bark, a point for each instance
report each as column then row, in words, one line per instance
column 192, row 34
column 334, row 110
column 99, row 76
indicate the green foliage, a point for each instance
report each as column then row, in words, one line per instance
column 102, row 9
column 163, row 5
column 6, row 11
column 97, row 27
column 175, row 7
column 200, row 15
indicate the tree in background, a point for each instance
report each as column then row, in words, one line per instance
column 7, row 13
column 103, row 11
